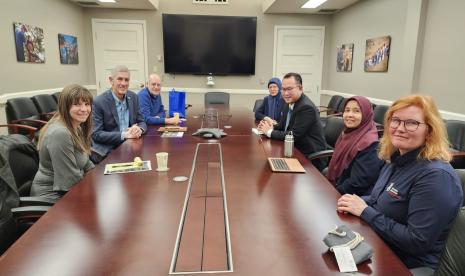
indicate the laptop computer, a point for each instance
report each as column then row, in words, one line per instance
column 291, row 165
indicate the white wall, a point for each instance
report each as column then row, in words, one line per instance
column 442, row 73
column 362, row 21
column 53, row 16
column 426, row 50
column 265, row 37
column 426, row 57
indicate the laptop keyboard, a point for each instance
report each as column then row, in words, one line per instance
column 280, row 164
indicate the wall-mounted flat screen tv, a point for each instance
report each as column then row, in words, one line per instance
column 218, row 45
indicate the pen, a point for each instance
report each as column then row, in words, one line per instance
column 121, row 166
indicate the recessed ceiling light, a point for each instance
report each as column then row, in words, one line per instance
column 107, row 1
column 311, row 4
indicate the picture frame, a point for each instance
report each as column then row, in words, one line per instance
column 29, row 42
column 344, row 57
column 68, row 49
column 377, row 54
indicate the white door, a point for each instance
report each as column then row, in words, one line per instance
column 299, row 49
column 119, row 42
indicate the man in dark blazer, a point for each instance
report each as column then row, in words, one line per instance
column 300, row 116
column 115, row 115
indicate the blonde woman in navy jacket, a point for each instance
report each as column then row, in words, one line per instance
column 418, row 194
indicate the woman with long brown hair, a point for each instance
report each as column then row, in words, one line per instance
column 64, row 144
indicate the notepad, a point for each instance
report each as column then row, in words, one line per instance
column 127, row 167
column 172, row 129
column 285, row 165
column 170, row 134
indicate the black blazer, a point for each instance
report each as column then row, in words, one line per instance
column 305, row 126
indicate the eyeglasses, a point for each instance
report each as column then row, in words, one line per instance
column 409, row 125
column 287, row 89
column 156, row 84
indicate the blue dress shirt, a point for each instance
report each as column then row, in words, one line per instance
column 123, row 114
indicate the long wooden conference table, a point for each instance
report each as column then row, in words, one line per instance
column 233, row 214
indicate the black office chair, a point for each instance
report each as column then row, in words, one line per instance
column 216, row 98
column 257, row 104
column 8, row 227
column 19, row 162
column 15, row 221
column 378, row 113
column 461, row 174
column 56, row 96
column 24, row 163
column 453, row 257
column 338, row 112
column 456, row 133
column 23, row 111
column 378, row 116
column 332, row 131
column 46, row 105
column 332, row 106
column 18, row 211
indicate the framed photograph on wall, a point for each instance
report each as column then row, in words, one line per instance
column 344, row 57
column 29, row 41
column 68, row 49
column 377, row 54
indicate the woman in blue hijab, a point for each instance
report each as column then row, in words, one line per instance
column 272, row 105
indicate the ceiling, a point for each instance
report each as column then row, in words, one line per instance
column 293, row 6
column 268, row 6
column 120, row 4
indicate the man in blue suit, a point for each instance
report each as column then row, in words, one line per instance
column 116, row 115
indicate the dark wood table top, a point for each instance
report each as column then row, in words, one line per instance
column 240, row 123
column 126, row 224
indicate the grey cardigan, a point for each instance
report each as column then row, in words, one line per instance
column 61, row 164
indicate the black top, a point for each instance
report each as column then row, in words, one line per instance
column 362, row 172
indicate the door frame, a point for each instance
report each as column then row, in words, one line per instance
column 96, row 21
column 290, row 27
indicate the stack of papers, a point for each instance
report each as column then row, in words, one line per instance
column 172, row 134
column 172, row 128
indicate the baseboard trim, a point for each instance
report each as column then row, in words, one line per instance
column 5, row 97
column 230, row 91
column 447, row 115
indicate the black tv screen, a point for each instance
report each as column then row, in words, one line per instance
column 200, row 44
